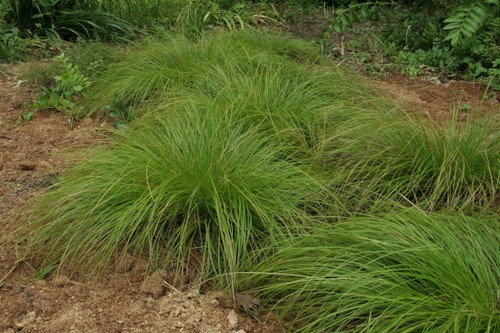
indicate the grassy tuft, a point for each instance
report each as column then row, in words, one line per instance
column 175, row 187
column 406, row 271
column 176, row 65
column 452, row 165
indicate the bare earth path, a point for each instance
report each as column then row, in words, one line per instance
column 123, row 301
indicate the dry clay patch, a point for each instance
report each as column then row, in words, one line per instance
column 439, row 101
column 118, row 302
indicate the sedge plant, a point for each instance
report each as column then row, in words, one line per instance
column 176, row 65
column 453, row 165
column 174, row 187
column 403, row 271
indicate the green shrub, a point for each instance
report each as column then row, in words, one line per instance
column 459, row 38
column 64, row 93
column 146, row 13
column 406, row 271
column 66, row 20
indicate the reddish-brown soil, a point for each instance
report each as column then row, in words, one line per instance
column 124, row 301
column 439, row 101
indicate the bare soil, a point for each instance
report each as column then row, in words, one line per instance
column 122, row 300
column 438, row 100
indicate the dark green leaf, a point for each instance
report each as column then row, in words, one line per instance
column 337, row 27
column 353, row 17
column 345, row 20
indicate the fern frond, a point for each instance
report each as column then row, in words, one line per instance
column 467, row 18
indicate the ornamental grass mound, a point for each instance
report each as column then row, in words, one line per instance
column 405, row 271
column 452, row 165
column 174, row 187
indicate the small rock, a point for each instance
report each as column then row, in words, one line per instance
column 60, row 281
column 125, row 263
column 232, row 319
column 26, row 320
column 193, row 294
column 154, row 284
column 248, row 301
column 39, row 284
column 27, row 166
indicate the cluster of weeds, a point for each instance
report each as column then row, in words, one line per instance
column 62, row 96
column 124, row 114
column 454, row 39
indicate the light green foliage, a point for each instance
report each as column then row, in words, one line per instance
column 243, row 139
column 405, row 271
column 450, row 165
column 147, row 13
column 124, row 114
column 62, row 96
column 191, row 184
column 178, row 65
column 202, row 15
column 23, row 117
column 71, row 82
column 241, row 15
column 439, row 57
column 223, row 162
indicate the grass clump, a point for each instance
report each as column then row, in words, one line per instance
column 243, row 139
column 254, row 76
column 453, row 165
column 174, row 188
column 176, row 65
column 405, row 271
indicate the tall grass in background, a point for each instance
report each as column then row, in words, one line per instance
column 405, row 271
column 66, row 20
column 178, row 65
column 146, row 13
column 190, row 185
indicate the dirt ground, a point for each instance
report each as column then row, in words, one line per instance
column 124, row 301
